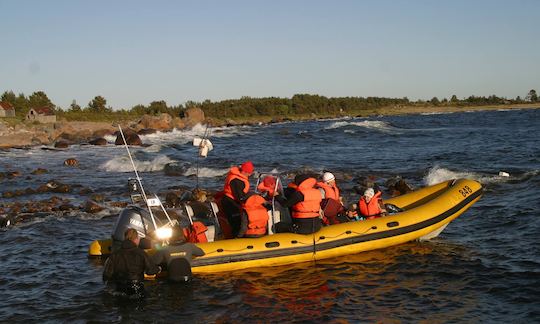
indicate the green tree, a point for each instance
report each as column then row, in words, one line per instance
column 157, row 107
column 9, row 96
column 74, row 107
column 454, row 99
column 98, row 104
column 39, row 99
column 435, row 101
column 532, row 96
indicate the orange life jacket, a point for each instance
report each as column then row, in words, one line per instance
column 372, row 208
column 257, row 215
column 268, row 185
column 235, row 173
column 195, row 234
column 309, row 208
column 330, row 192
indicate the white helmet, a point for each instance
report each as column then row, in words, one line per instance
column 327, row 176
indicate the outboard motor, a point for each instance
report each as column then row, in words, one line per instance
column 132, row 217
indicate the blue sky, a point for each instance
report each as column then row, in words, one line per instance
column 135, row 52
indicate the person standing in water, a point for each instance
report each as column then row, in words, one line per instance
column 126, row 266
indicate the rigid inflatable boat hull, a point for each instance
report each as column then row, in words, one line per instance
column 427, row 212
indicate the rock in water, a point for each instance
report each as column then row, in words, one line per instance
column 71, row 162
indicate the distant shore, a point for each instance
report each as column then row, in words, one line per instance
column 22, row 134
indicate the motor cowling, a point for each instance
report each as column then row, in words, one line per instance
column 133, row 217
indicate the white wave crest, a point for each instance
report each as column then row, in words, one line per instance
column 369, row 124
column 122, row 164
column 438, row 174
column 206, row 172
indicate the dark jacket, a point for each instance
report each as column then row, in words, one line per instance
column 129, row 263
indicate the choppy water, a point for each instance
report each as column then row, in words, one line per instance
column 485, row 267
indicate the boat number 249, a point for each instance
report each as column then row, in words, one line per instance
column 465, row 191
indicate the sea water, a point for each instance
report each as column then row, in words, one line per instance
column 485, row 266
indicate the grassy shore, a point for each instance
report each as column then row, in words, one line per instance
column 384, row 111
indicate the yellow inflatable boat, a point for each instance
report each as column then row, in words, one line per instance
column 426, row 212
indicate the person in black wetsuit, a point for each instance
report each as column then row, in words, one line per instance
column 126, row 266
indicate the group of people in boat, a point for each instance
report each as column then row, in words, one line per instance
column 306, row 204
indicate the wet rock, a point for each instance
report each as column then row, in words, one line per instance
column 146, row 131
column 29, row 191
column 100, row 141
column 92, row 207
column 397, row 186
column 85, row 191
column 172, row 200
column 71, row 162
column 61, row 144
column 193, row 116
column 174, row 169
column 58, row 187
column 131, row 138
column 66, row 207
column 161, row 122
column 7, row 194
column 118, row 204
column 39, row 171
column 13, row 174
column 43, row 188
column 98, row 197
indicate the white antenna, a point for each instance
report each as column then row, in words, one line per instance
column 138, row 178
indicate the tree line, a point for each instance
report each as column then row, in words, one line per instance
column 298, row 105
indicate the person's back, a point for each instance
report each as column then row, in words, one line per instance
column 126, row 266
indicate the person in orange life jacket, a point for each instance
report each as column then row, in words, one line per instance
column 235, row 191
column 267, row 187
column 332, row 203
column 254, row 218
column 306, row 205
column 370, row 205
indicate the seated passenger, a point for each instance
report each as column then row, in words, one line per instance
column 235, row 191
column 254, row 218
column 306, row 205
column 332, row 204
column 267, row 187
column 370, row 205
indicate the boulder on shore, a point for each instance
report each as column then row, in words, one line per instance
column 131, row 138
column 100, row 141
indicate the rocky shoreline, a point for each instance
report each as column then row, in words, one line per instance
column 64, row 133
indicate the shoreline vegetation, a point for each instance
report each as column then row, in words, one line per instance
column 78, row 125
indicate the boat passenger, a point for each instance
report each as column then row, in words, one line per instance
column 306, row 205
column 370, row 205
column 254, row 217
column 178, row 256
column 235, row 191
column 332, row 203
column 126, row 266
column 267, row 187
